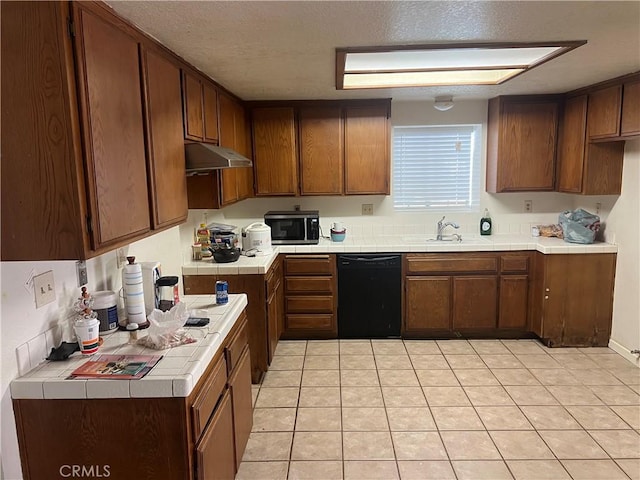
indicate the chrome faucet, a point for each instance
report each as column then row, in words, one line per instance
column 442, row 226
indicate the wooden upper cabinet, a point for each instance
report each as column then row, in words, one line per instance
column 274, row 151
column 243, row 146
column 165, row 144
column 34, row 205
column 111, row 110
column 521, row 143
column 584, row 167
column 321, row 151
column 571, row 149
column 193, row 107
column 367, row 150
column 228, row 176
column 604, row 112
column 210, row 107
column 630, row 124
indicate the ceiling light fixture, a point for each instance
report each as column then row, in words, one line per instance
column 441, row 64
column 443, row 103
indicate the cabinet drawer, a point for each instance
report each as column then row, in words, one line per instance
column 309, row 322
column 309, row 265
column 309, row 304
column 514, row 263
column 450, row 264
column 233, row 351
column 309, row 285
column 206, row 401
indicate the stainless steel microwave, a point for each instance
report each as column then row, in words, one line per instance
column 293, row 227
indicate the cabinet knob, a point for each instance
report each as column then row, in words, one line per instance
column 547, row 289
column 546, row 297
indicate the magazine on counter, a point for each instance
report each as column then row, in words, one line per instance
column 120, row 367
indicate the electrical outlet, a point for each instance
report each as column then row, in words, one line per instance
column 81, row 273
column 528, row 206
column 296, row 208
column 44, row 288
column 598, row 208
column 367, row 209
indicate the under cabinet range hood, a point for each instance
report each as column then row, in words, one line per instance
column 202, row 158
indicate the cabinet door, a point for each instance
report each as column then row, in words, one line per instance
column 321, row 151
column 244, row 176
column 367, row 146
column 275, row 151
column 228, row 176
column 427, row 304
column 272, row 324
column 240, row 386
column 572, row 142
column 193, row 107
column 215, row 457
column 165, row 143
column 527, row 146
column 29, row 148
column 474, row 302
column 111, row 107
column 513, row 301
column 578, row 299
column 630, row 124
column 604, row 112
column 210, row 107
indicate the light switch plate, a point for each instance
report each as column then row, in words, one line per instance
column 44, row 288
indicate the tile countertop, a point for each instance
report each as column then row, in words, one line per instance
column 175, row 375
column 399, row 244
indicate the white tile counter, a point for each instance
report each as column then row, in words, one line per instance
column 399, row 244
column 175, row 375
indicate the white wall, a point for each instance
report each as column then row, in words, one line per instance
column 35, row 331
column 623, row 228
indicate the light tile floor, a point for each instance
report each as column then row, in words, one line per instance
column 453, row 409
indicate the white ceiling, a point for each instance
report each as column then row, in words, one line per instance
column 286, row 49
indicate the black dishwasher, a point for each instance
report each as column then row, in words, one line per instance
column 369, row 295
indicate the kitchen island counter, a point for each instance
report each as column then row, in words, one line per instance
column 175, row 375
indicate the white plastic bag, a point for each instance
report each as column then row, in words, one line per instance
column 166, row 329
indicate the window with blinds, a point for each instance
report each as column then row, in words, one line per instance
column 436, row 168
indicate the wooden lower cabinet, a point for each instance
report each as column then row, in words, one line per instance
column 513, row 302
column 474, row 302
column 240, row 388
column 215, row 456
column 466, row 294
column 572, row 299
column 202, row 436
column 263, row 330
column 310, row 305
column 428, row 304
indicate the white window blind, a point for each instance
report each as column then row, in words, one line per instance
column 436, row 168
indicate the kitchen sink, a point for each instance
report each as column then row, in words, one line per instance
column 446, row 239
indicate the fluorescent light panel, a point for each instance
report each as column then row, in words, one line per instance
column 457, row 64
